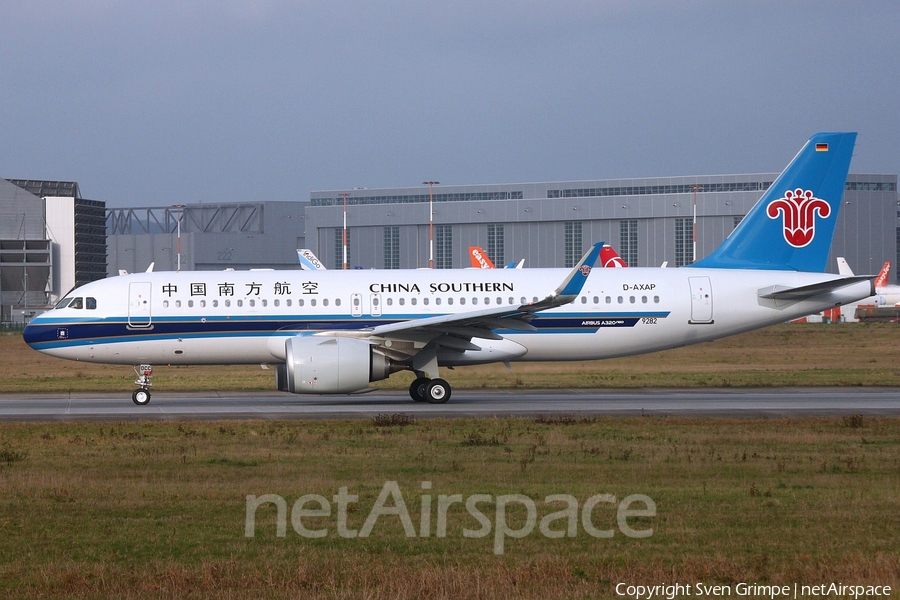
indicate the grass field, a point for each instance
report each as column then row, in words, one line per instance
column 159, row 510
column 784, row 355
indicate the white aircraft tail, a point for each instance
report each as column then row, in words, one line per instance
column 844, row 268
column 309, row 261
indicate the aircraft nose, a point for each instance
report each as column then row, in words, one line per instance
column 35, row 332
column 29, row 334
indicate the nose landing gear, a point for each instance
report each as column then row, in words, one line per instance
column 141, row 396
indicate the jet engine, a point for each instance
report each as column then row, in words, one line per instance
column 330, row 365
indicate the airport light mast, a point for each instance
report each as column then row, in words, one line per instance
column 431, row 185
column 694, row 255
column 178, row 248
column 344, row 245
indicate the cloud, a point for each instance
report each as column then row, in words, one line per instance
column 241, row 100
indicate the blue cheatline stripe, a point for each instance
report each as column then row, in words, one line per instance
column 79, row 332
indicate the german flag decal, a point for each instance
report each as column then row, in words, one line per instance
column 821, row 147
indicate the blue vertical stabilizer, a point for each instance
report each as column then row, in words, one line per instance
column 792, row 225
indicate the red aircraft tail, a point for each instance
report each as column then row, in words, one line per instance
column 610, row 258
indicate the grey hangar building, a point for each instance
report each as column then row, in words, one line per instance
column 648, row 221
column 51, row 238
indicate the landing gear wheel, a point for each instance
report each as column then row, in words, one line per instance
column 141, row 397
column 437, row 391
column 416, row 389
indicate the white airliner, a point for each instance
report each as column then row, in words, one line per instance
column 885, row 294
column 333, row 332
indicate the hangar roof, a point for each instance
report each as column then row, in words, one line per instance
column 41, row 189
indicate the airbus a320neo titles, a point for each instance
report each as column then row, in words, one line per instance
column 333, row 332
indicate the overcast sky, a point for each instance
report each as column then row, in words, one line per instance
column 179, row 101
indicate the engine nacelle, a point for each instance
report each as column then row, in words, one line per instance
column 330, row 365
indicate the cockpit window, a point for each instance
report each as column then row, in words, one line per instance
column 63, row 303
column 90, row 303
column 77, row 303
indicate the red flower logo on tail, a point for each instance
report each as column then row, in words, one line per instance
column 798, row 210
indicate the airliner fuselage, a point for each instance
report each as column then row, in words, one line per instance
column 234, row 317
column 337, row 331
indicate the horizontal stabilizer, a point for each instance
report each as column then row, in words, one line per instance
column 798, row 294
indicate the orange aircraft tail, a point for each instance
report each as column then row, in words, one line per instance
column 479, row 258
column 882, row 279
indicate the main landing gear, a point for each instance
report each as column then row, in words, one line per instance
column 141, row 396
column 433, row 391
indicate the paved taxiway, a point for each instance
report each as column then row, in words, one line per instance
column 464, row 403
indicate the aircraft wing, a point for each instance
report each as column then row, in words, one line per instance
column 456, row 330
